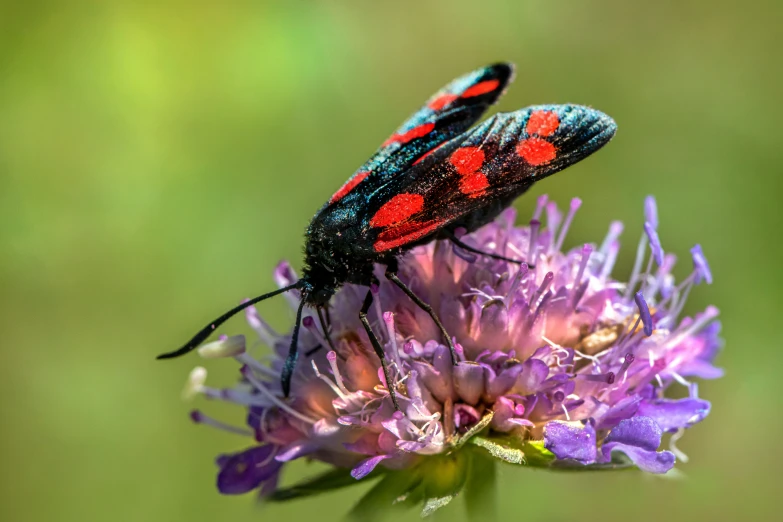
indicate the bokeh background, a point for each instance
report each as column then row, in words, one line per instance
column 156, row 162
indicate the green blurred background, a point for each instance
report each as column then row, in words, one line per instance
column 156, row 162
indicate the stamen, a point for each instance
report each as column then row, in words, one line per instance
column 644, row 314
column 592, row 358
column 542, row 288
column 651, row 211
column 540, row 204
column 265, row 332
column 629, row 358
column 679, row 378
column 659, row 281
column 655, row 243
column 700, row 265
column 565, row 410
column 309, row 323
column 541, row 306
column 535, row 225
column 332, row 358
column 515, row 282
column 682, row 457
column 701, row 321
column 327, row 380
column 607, row 377
column 256, row 365
column 553, row 218
column 248, row 373
column 388, row 319
column 637, row 266
column 611, row 257
column 376, row 294
column 575, row 204
column 195, row 383
column 223, row 347
column 200, row 418
column 586, row 251
column 615, row 229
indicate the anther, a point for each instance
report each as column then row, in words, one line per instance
column 644, row 313
column 651, row 211
column 223, row 347
column 195, row 383
column 701, row 266
column 629, row 358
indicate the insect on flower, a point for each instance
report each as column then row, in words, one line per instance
column 433, row 177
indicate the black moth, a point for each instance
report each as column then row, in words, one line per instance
column 434, row 175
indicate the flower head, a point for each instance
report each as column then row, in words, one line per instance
column 560, row 365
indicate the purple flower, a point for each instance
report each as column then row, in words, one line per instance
column 560, row 365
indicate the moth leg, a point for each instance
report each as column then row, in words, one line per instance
column 325, row 327
column 311, row 351
column 469, row 248
column 376, row 344
column 391, row 275
column 327, row 315
column 290, row 361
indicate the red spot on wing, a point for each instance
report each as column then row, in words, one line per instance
column 536, row 151
column 405, row 234
column 416, row 132
column 441, row 101
column 474, row 184
column 349, row 186
column 467, row 160
column 481, row 88
column 542, row 123
column 397, row 209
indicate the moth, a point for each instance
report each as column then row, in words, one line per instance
column 435, row 175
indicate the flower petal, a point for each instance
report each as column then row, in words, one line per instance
column 571, row 440
column 245, row 471
column 650, row 461
column 638, row 438
column 625, row 409
column 469, row 381
column 672, row 414
column 366, row 466
column 637, row 431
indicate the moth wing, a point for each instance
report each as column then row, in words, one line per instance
column 447, row 114
column 480, row 171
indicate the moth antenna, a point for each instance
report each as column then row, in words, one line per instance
column 290, row 361
column 208, row 329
